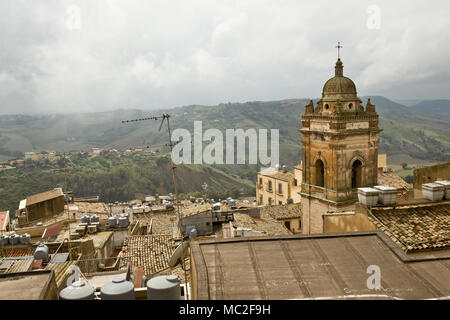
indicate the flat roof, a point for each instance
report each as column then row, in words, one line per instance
column 324, row 266
column 24, row 286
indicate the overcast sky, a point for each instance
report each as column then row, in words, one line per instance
column 97, row 55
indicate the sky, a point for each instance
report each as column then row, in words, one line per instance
column 85, row 55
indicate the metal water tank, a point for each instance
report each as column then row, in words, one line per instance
column 164, row 288
column 118, row 289
column 4, row 240
column 41, row 252
column 95, row 218
column 85, row 219
column 77, row 291
column 123, row 222
column 192, row 232
column 25, row 238
column 112, row 221
column 14, row 239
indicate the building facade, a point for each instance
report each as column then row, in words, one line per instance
column 274, row 187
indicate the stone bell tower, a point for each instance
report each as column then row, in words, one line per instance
column 340, row 149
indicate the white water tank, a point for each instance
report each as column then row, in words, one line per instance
column 77, row 291
column 41, row 252
column 433, row 191
column 118, row 289
column 164, row 288
column 95, row 218
column 85, row 219
column 368, row 196
column 446, row 185
column 387, row 195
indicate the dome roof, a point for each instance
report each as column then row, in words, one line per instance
column 339, row 84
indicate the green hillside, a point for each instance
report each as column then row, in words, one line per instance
column 414, row 132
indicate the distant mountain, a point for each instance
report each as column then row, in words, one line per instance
column 419, row 132
column 437, row 107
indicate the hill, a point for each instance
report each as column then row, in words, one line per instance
column 409, row 131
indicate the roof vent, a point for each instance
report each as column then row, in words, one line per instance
column 433, row 191
column 368, row 196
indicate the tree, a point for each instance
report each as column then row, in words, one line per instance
column 404, row 165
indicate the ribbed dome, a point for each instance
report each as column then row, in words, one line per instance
column 339, row 84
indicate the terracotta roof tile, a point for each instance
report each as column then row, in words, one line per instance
column 416, row 227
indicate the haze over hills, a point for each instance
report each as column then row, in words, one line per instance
column 419, row 131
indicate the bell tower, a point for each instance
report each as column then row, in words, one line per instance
column 340, row 147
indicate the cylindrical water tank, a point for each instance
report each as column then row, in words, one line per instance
column 123, row 222
column 25, row 238
column 14, row 239
column 4, row 240
column 112, row 221
column 85, row 219
column 164, row 288
column 193, row 233
column 118, row 289
column 95, row 218
column 41, row 252
column 77, row 291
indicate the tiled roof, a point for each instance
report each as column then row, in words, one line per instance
column 268, row 226
column 285, row 211
column 152, row 252
column 8, row 253
column 416, row 227
column 393, row 180
column 279, row 175
column 44, row 196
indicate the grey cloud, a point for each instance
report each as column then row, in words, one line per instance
column 154, row 54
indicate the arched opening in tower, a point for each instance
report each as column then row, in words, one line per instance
column 356, row 174
column 320, row 173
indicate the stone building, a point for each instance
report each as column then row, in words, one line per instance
column 340, row 150
column 275, row 187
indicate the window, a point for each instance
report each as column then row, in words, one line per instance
column 280, row 188
column 350, row 106
column 327, row 106
column 270, row 201
column 270, row 185
column 295, row 182
column 260, row 180
column 356, row 174
column 280, row 202
column 260, row 199
column 287, row 224
column 320, row 173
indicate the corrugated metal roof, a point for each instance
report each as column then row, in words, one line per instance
column 61, row 269
column 20, row 266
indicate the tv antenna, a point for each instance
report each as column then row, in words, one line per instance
column 171, row 144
